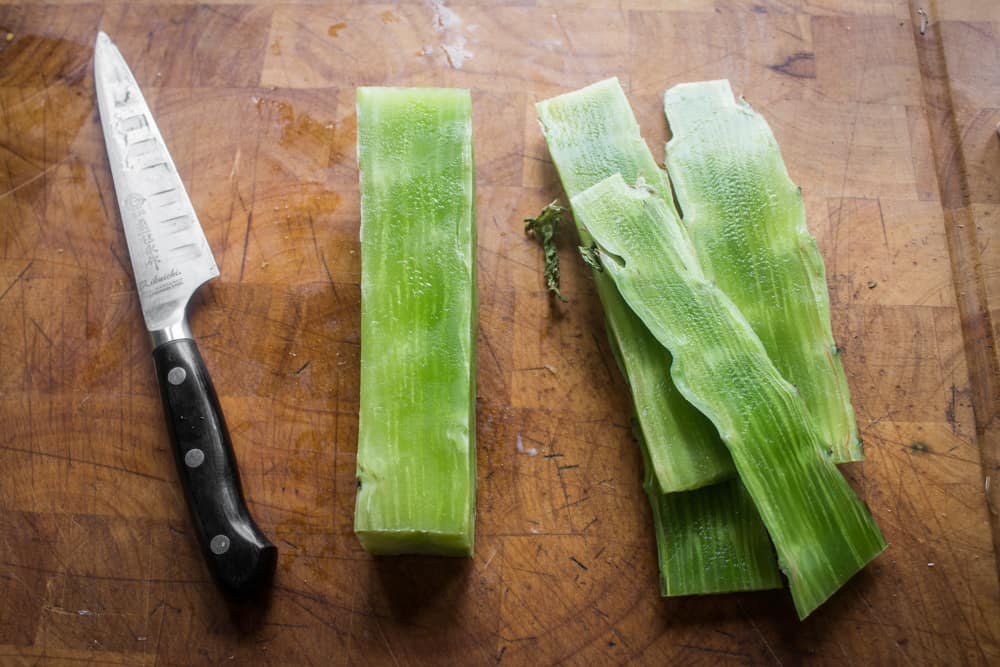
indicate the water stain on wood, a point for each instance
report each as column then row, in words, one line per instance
column 343, row 147
column 317, row 142
column 302, row 127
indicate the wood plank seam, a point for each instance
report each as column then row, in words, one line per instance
column 950, row 164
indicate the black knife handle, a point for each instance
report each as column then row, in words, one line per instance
column 240, row 557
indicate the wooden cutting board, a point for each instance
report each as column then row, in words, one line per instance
column 888, row 126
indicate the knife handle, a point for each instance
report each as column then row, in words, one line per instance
column 240, row 557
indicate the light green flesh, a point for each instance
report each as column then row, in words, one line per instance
column 416, row 430
column 710, row 540
column 822, row 532
column 592, row 134
column 398, row 542
column 747, row 222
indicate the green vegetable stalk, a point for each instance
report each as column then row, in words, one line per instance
column 592, row 134
column 746, row 220
column 416, row 462
column 710, row 540
column 709, row 536
column 822, row 532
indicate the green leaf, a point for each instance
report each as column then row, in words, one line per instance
column 545, row 228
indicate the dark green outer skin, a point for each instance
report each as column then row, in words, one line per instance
column 709, row 536
column 710, row 540
column 592, row 134
column 822, row 532
column 746, row 221
column 416, row 431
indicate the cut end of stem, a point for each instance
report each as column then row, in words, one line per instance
column 416, row 542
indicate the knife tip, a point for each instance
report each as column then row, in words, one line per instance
column 102, row 38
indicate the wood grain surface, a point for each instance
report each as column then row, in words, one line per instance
column 888, row 125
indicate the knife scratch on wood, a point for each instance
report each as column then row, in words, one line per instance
column 236, row 164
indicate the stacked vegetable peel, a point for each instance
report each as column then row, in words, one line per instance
column 720, row 322
column 592, row 134
column 747, row 223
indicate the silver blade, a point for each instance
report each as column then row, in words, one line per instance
column 169, row 253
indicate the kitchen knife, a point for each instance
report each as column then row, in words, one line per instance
column 170, row 260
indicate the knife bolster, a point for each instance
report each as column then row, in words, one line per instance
column 177, row 331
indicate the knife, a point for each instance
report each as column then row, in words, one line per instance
column 171, row 259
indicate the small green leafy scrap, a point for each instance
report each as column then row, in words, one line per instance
column 545, row 228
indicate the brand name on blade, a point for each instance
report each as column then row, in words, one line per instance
column 134, row 205
column 159, row 279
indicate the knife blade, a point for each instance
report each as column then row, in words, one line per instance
column 170, row 260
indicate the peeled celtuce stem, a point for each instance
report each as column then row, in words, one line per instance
column 416, row 462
